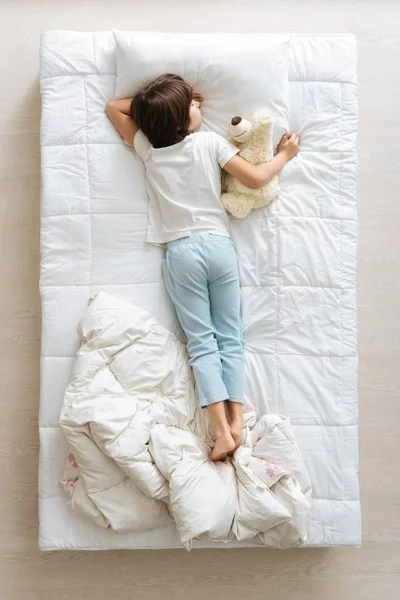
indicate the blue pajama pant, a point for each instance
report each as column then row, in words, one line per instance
column 202, row 279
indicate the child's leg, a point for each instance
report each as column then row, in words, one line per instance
column 187, row 285
column 186, row 278
column 225, row 301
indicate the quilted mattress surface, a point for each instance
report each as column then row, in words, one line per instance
column 297, row 263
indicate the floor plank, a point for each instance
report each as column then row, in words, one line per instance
column 345, row 574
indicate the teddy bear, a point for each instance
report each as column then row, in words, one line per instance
column 255, row 142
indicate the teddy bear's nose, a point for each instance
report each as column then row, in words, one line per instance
column 236, row 120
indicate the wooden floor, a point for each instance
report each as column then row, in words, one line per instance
column 334, row 574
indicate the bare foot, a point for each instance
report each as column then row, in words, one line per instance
column 224, row 444
column 236, row 428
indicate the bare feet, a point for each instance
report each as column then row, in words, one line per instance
column 224, row 444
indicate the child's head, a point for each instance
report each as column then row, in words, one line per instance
column 165, row 110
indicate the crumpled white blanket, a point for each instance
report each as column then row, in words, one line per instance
column 139, row 443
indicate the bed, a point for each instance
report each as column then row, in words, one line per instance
column 297, row 265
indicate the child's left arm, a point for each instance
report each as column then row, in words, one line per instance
column 119, row 113
column 256, row 176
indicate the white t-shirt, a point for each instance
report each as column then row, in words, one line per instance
column 184, row 186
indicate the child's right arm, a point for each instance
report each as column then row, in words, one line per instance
column 119, row 113
column 256, row 176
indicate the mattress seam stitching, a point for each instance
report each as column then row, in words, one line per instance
column 89, row 187
column 256, row 287
column 249, row 352
column 265, row 217
column 114, row 74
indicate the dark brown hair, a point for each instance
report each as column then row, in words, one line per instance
column 162, row 110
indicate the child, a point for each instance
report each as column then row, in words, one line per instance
column 185, row 213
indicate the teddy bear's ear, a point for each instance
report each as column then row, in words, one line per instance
column 262, row 116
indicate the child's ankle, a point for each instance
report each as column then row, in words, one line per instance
column 222, row 432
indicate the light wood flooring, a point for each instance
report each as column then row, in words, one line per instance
column 368, row 573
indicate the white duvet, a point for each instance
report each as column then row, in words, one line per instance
column 297, row 257
column 140, row 443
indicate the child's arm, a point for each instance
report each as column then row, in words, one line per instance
column 255, row 176
column 119, row 113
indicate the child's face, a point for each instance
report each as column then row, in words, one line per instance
column 195, row 116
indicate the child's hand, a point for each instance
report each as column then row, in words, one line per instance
column 198, row 97
column 289, row 145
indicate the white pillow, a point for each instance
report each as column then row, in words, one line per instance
column 236, row 74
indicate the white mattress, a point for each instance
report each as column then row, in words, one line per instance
column 297, row 263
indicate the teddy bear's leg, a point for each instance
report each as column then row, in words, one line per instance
column 224, row 181
column 266, row 194
column 238, row 205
